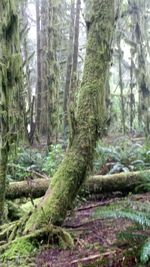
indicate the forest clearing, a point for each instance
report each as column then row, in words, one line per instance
column 74, row 133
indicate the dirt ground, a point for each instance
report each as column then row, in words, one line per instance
column 96, row 243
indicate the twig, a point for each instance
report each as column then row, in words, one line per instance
column 82, row 224
column 93, row 257
column 107, row 202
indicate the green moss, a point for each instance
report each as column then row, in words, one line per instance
column 14, row 70
column 27, row 207
column 19, row 247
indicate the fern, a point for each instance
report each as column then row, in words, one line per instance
column 145, row 252
column 131, row 235
column 137, row 217
column 140, row 218
column 127, row 155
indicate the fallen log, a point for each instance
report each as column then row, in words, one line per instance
column 122, row 182
column 27, row 188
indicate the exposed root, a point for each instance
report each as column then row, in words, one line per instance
column 9, row 231
column 12, row 243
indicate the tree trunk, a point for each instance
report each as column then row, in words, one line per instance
column 121, row 82
column 53, row 88
column 69, row 68
column 38, row 82
column 10, row 65
column 73, row 82
column 88, row 122
column 98, row 184
column 132, row 98
column 44, row 65
column 140, row 28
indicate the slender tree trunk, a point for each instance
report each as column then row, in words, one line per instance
column 26, row 102
column 53, row 86
column 69, row 68
column 88, row 121
column 44, row 65
column 73, row 83
column 121, row 84
column 38, row 84
column 132, row 99
column 25, row 49
column 139, row 22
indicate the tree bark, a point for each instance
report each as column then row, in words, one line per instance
column 38, row 82
column 98, row 184
column 140, row 28
column 87, row 123
column 121, row 82
column 69, row 68
column 10, row 65
column 73, row 82
column 53, row 72
column 44, row 65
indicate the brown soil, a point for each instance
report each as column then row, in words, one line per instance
column 95, row 241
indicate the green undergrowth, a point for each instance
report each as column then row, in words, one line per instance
column 123, row 156
column 26, row 161
column 19, row 248
column 137, row 234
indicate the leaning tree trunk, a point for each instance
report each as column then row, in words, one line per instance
column 87, row 123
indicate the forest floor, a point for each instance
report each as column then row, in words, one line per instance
column 96, row 242
column 96, row 239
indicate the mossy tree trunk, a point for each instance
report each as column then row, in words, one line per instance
column 38, row 82
column 73, row 82
column 87, row 124
column 120, row 57
column 99, row 184
column 139, row 22
column 54, row 8
column 10, row 65
column 69, row 68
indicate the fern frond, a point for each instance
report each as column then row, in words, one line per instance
column 137, row 217
column 145, row 252
column 130, row 235
column 144, row 186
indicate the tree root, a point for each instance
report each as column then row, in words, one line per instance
column 12, row 243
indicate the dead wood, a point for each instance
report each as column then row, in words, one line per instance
column 99, row 184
